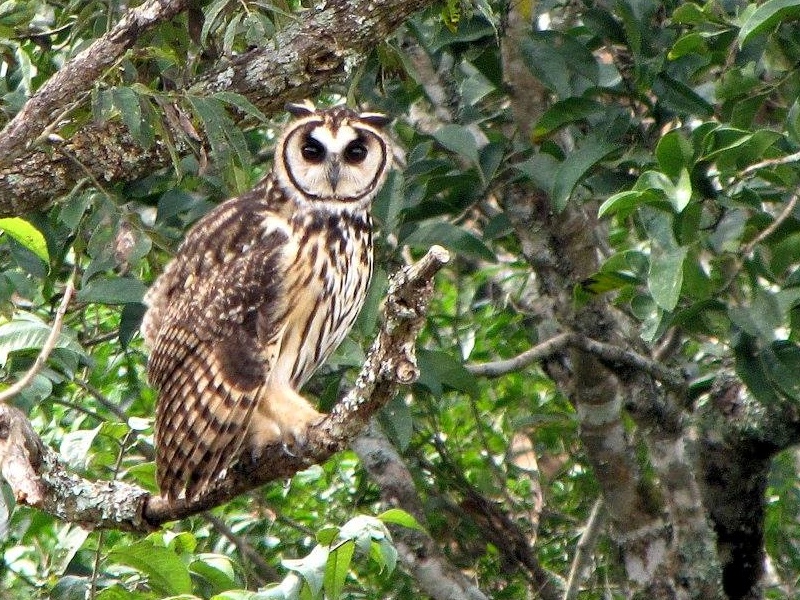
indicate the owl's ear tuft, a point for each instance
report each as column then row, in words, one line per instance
column 305, row 108
column 375, row 119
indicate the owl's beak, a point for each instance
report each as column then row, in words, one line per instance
column 333, row 174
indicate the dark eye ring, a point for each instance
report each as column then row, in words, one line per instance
column 355, row 152
column 313, row 150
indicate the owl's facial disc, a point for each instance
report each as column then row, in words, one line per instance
column 346, row 163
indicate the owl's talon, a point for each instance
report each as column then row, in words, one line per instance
column 287, row 450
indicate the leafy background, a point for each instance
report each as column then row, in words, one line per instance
column 676, row 122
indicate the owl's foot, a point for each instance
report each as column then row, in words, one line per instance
column 283, row 417
column 294, row 432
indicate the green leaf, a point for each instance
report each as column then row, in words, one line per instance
column 244, row 595
column 337, row 567
column 211, row 14
column 651, row 315
column 682, row 192
column 327, row 535
column 363, row 529
column 129, row 322
column 165, row 571
column 625, row 202
column 752, row 370
column 566, row 111
column 458, row 139
column 784, row 367
column 28, row 333
column 691, row 43
column 75, row 446
column 398, row 422
column 384, row 554
column 112, row 290
column 70, row 587
column 398, row 516
column 674, row 153
column 216, row 570
column 311, row 567
column 767, row 16
column 451, row 237
column 117, row 592
column 475, row 86
column 439, row 368
column 665, row 278
column 680, row 98
column 126, row 101
column 231, row 31
column 561, row 62
column 27, row 235
column 575, row 167
column 242, row 103
column 762, row 318
column 689, row 13
column 225, row 138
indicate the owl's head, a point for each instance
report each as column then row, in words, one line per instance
column 334, row 155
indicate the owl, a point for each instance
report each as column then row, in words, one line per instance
column 261, row 291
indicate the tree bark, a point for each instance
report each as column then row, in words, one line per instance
column 562, row 250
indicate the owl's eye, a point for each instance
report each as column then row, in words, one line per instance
column 312, row 150
column 355, row 152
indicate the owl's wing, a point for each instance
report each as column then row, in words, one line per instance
column 214, row 342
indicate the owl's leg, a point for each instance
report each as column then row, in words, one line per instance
column 282, row 416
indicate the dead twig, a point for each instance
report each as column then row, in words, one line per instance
column 48, row 346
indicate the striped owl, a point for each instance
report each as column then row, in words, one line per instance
column 260, row 293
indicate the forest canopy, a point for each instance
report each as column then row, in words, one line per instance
column 576, row 374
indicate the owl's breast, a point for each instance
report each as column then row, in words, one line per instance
column 326, row 285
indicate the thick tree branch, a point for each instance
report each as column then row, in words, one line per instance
column 738, row 438
column 39, row 479
column 323, row 46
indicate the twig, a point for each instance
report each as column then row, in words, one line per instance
column 538, row 352
column 49, row 344
column 264, row 571
column 610, row 353
column 770, row 162
column 584, row 550
column 101, row 399
column 772, row 227
column 607, row 352
column 39, row 479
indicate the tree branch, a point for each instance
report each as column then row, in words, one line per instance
column 78, row 76
column 787, row 211
column 607, row 352
column 323, row 47
column 39, row 479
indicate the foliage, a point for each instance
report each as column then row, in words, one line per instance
column 677, row 123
